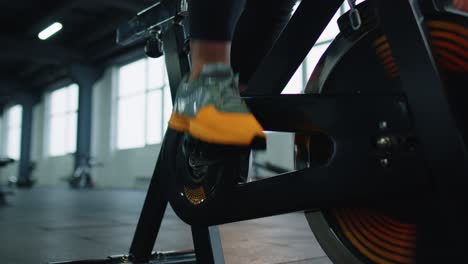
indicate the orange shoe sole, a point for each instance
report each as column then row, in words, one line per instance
column 212, row 126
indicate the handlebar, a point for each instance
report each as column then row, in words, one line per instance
column 157, row 15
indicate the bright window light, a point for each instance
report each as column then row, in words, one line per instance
column 50, row 30
column 143, row 103
column 63, row 115
column 14, row 121
column 296, row 83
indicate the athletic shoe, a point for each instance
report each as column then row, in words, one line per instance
column 211, row 110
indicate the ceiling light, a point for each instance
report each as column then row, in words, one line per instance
column 50, row 30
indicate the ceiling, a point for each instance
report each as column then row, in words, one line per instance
column 28, row 64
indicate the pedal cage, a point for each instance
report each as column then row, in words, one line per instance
column 204, row 170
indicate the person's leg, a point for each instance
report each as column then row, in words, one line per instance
column 212, row 25
column 205, row 52
column 208, row 105
column 257, row 29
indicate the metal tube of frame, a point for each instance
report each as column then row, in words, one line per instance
column 443, row 230
column 207, row 242
column 354, row 174
column 155, row 203
column 337, row 115
column 177, row 60
column 353, row 178
column 150, row 219
column 296, row 40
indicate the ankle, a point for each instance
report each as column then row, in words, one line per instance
column 208, row 52
column 242, row 88
column 219, row 69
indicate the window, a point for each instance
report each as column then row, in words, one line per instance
column 143, row 103
column 346, row 6
column 297, row 82
column 314, row 56
column 331, row 30
column 13, row 128
column 63, row 118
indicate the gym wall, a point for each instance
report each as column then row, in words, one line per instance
column 129, row 168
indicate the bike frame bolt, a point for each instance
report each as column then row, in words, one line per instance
column 384, row 142
column 384, row 162
column 383, row 125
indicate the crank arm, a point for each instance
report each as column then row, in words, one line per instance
column 337, row 115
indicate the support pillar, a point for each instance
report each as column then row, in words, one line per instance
column 85, row 76
column 27, row 102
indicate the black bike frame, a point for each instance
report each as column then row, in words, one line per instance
column 354, row 175
column 442, row 142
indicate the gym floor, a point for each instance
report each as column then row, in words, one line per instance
column 53, row 224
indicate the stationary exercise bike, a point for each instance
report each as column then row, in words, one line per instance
column 382, row 169
column 82, row 176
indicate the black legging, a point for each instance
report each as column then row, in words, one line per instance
column 251, row 25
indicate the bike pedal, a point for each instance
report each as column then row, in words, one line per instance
column 258, row 143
